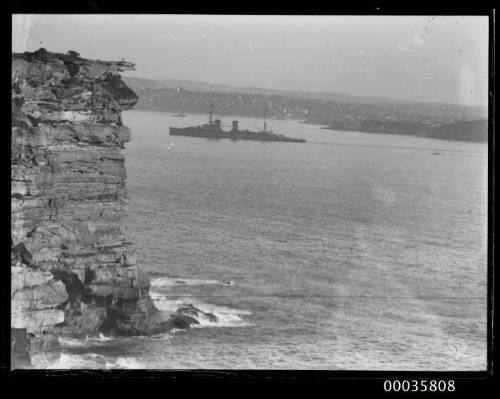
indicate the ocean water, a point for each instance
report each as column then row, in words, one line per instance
column 353, row 251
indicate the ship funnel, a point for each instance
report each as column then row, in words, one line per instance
column 235, row 125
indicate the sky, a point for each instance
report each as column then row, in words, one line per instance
column 417, row 58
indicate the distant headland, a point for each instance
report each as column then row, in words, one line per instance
column 333, row 110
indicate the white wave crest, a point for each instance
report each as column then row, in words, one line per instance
column 172, row 282
column 69, row 361
column 225, row 316
column 72, row 342
column 103, row 338
column 125, row 363
column 95, row 362
column 82, row 342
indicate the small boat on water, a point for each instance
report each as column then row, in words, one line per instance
column 179, row 114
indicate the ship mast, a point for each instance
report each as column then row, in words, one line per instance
column 211, row 114
column 265, row 123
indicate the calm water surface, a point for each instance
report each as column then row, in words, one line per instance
column 352, row 251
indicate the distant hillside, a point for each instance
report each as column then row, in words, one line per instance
column 137, row 84
column 463, row 131
column 336, row 111
column 141, row 83
column 475, row 131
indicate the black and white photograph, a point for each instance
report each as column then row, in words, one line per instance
column 249, row 192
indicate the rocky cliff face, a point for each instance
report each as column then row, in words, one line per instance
column 73, row 270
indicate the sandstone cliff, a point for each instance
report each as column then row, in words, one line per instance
column 73, row 270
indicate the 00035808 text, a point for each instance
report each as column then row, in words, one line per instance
column 419, row 385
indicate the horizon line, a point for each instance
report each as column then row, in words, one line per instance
column 309, row 91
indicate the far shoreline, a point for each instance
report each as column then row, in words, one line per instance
column 305, row 122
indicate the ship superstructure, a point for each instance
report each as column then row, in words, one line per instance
column 213, row 130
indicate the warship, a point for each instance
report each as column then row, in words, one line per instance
column 213, row 130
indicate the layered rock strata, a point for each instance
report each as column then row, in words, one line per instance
column 74, row 271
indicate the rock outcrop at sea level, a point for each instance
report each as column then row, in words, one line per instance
column 74, row 271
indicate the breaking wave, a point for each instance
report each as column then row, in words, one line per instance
column 172, row 282
column 82, row 342
column 224, row 316
column 94, row 361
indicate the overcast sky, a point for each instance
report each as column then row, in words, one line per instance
column 439, row 59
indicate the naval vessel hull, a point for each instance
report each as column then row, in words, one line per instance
column 232, row 135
